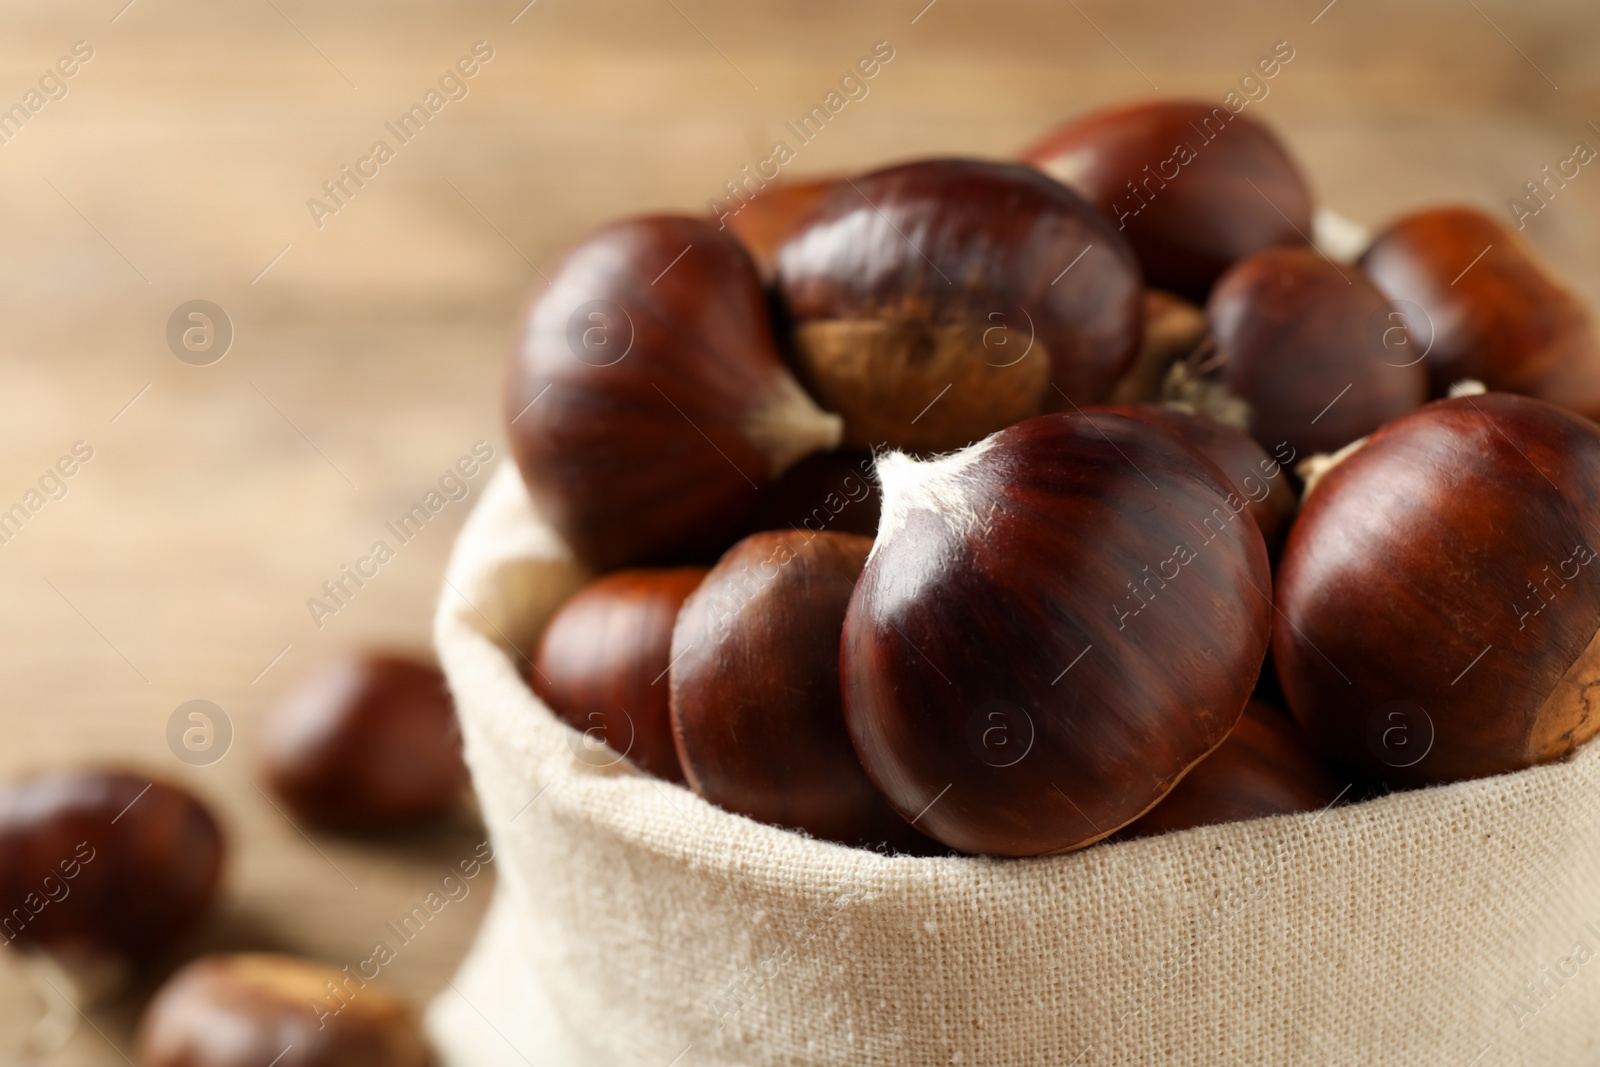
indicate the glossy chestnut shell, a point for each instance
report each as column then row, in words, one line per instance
column 1265, row 767
column 1261, row 480
column 602, row 665
column 369, row 741
column 1481, row 305
column 1194, row 187
column 1300, row 340
column 104, row 864
column 755, row 688
column 647, row 402
column 254, row 1009
column 1029, row 662
column 937, row 301
column 1437, row 607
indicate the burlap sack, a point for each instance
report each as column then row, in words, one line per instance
column 638, row 925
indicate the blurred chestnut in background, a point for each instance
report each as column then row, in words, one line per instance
column 1193, row 186
column 1437, row 599
column 646, row 400
column 1265, row 767
column 1262, row 481
column 369, row 741
column 1173, row 328
column 101, row 866
column 602, row 664
column 1481, row 305
column 935, row 302
column 764, row 221
column 1055, row 625
column 255, row 1009
column 755, row 688
column 828, row 491
column 1300, row 340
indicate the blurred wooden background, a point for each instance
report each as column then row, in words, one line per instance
column 367, row 353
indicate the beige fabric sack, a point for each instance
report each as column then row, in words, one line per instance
column 635, row 924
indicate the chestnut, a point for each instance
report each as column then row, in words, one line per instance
column 937, row 301
column 827, row 491
column 1193, row 186
column 647, row 401
column 1300, row 341
column 1265, row 767
column 1437, row 618
column 252, row 1009
column 602, row 660
column 755, row 688
column 367, row 742
column 1054, row 626
column 1173, row 328
column 1486, row 308
column 764, row 221
column 104, row 866
column 1262, row 480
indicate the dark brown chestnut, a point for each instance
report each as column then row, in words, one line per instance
column 102, row 866
column 755, row 688
column 647, row 402
column 1437, row 614
column 1054, row 626
column 1484, row 307
column 1194, row 186
column 935, row 302
column 1265, row 767
column 828, row 491
column 764, row 221
column 1300, row 341
column 1173, row 328
column 255, row 1009
column 367, row 742
column 602, row 665
column 1262, row 480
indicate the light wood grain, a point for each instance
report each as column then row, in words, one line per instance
column 368, row 357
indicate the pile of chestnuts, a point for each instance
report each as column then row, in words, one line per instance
column 1004, row 507
column 107, row 874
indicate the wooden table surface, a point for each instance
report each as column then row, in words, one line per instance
column 368, row 349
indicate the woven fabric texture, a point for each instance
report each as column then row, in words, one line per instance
column 636, row 924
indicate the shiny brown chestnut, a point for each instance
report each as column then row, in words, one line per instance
column 367, row 742
column 602, row 665
column 828, row 491
column 764, row 221
column 104, row 866
column 1173, row 328
column 647, row 401
column 1265, row 767
column 1262, row 480
column 1054, row 626
column 1483, row 306
column 1300, row 341
column 254, row 1009
column 1437, row 601
column 755, row 688
column 1195, row 187
column 935, row 302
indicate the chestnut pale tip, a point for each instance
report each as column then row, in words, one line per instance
column 1340, row 239
column 1312, row 469
column 936, row 485
column 789, row 426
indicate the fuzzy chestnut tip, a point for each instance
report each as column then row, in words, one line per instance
column 789, row 426
column 937, row 485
